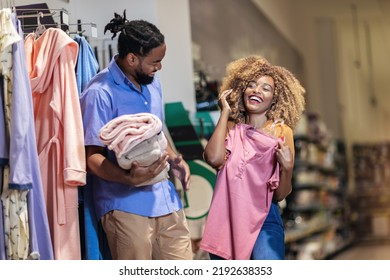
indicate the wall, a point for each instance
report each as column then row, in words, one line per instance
column 177, row 73
column 226, row 30
column 174, row 18
column 332, row 44
column 346, row 63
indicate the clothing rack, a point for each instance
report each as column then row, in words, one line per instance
column 80, row 30
column 38, row 15
column 64, row 14
column 44, row 18
column 64, row 24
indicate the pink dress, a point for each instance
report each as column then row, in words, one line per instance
column 243, row 194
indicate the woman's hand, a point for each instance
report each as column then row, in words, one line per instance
column 286, row 160
column 284, row 156
column 223, row 104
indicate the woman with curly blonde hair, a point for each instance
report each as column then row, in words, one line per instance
column 252, row 148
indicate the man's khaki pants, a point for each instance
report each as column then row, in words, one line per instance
column 134, row 237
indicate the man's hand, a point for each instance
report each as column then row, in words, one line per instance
column 181, row 170
column 139, row 174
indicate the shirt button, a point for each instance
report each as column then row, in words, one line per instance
column 146, row 103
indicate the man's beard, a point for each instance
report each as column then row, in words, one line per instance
column 143, row 79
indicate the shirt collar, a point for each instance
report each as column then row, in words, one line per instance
column 118, row 75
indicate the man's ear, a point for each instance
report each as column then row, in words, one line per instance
column 131, row 58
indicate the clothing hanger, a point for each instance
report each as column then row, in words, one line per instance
column 40, row 27
column 276, row 129
column 40, row 13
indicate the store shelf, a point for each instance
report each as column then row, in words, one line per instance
column 340, row 247
column 371, row 198
column 294, row 235
column 317, row 212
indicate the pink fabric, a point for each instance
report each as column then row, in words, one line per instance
column 121, row 134
column 136, row 137
column 51, row 63
column 242, row 195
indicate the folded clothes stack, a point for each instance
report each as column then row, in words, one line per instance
column 136, row 137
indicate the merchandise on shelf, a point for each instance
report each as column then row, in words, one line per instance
column 316, row 214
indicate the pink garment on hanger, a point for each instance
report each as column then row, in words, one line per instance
column 242, row 195
column 51, row 61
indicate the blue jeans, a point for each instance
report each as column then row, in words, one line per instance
column 270, row 242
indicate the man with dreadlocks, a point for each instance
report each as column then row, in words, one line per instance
column 252, row 148
column 144, row 222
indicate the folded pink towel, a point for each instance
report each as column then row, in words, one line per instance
column 136, row 137
column 121, row 134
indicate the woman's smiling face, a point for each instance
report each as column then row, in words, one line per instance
column 258, row 94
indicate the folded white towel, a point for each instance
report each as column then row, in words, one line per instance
column 145, row 153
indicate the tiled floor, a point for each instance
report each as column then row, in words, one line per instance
column 365, row 251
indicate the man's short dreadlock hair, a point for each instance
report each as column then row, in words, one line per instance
column 136, row 36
